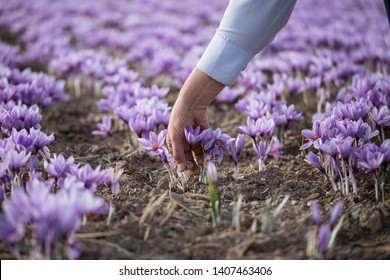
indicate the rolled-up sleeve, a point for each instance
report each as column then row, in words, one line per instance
column 245, row 29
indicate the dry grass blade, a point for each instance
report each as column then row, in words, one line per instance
column 177, row 199
column 110, row 244
column 153, row 205
column 97, row 234
column 170, row 209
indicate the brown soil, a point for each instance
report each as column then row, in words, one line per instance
column 153, row 222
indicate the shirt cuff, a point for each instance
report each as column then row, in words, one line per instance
column 223, row 60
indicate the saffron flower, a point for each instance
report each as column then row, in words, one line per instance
column 16, row 160
column 321, row 234
column 380, row 117
column 193, row 136
column 155, row 142
column 58, row 166
column 104, row 128
column 215, row 142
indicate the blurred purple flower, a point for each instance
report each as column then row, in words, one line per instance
column 290, row 113
column 336, row 213
column 58, row 166
column 385, row 150
column 323, row 237
column 89, row 176
column 212, row 172
column 250, row 129
column 369, row 157
column 16, row 160
column 14, row 217
column 274, row 149
column 41, row 139
column 380, row 117
column 316, row 213
column 21, row 116
column 23, row 140
column 365, row 133
column 112, row 179
column 104, row 128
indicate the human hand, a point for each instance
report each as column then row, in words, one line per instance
column 190, row 109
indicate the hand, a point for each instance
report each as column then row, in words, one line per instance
column 190, row 109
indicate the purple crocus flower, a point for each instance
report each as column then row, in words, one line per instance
column 336, row 213
column 138, row 125
column 344, row 147
column 70, row 183
column 385, row 150
column 330, row 148
column 212, row 172
column 73, row 250
column 265, row 127
column 240, row 140
column 41, row 139
column 323, row 237
column 58, row 166
column 358, row 110
column 86, row 202
column 104, row 128
column 16, row 160
column 365, row 133
column 14, row 217
column 313, row 137
column 369, row 157
column 261, row 149
column 316, row 213
column 155, row 143
column 22, row 139
column 274, row 149
column 236, row 151
column 89, row 176
column 315, row 161
column 21, row 116
column 192, row 135
column 216, row 142
column 380, row 117
column 348, row 127
column 112, row 179
column 250, row 129
column 290, row 113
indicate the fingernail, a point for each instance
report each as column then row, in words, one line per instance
column 181, row 167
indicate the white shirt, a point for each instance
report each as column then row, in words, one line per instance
column 246, row 28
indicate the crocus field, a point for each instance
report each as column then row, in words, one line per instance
column 297, row 153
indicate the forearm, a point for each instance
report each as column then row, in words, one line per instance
column 198, row 91
column 246, row 28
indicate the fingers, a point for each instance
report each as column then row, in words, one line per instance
column 182, row 155
column 179, row 156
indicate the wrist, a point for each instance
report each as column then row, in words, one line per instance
column 198, row 91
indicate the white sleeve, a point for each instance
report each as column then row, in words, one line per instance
column 246, row 28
